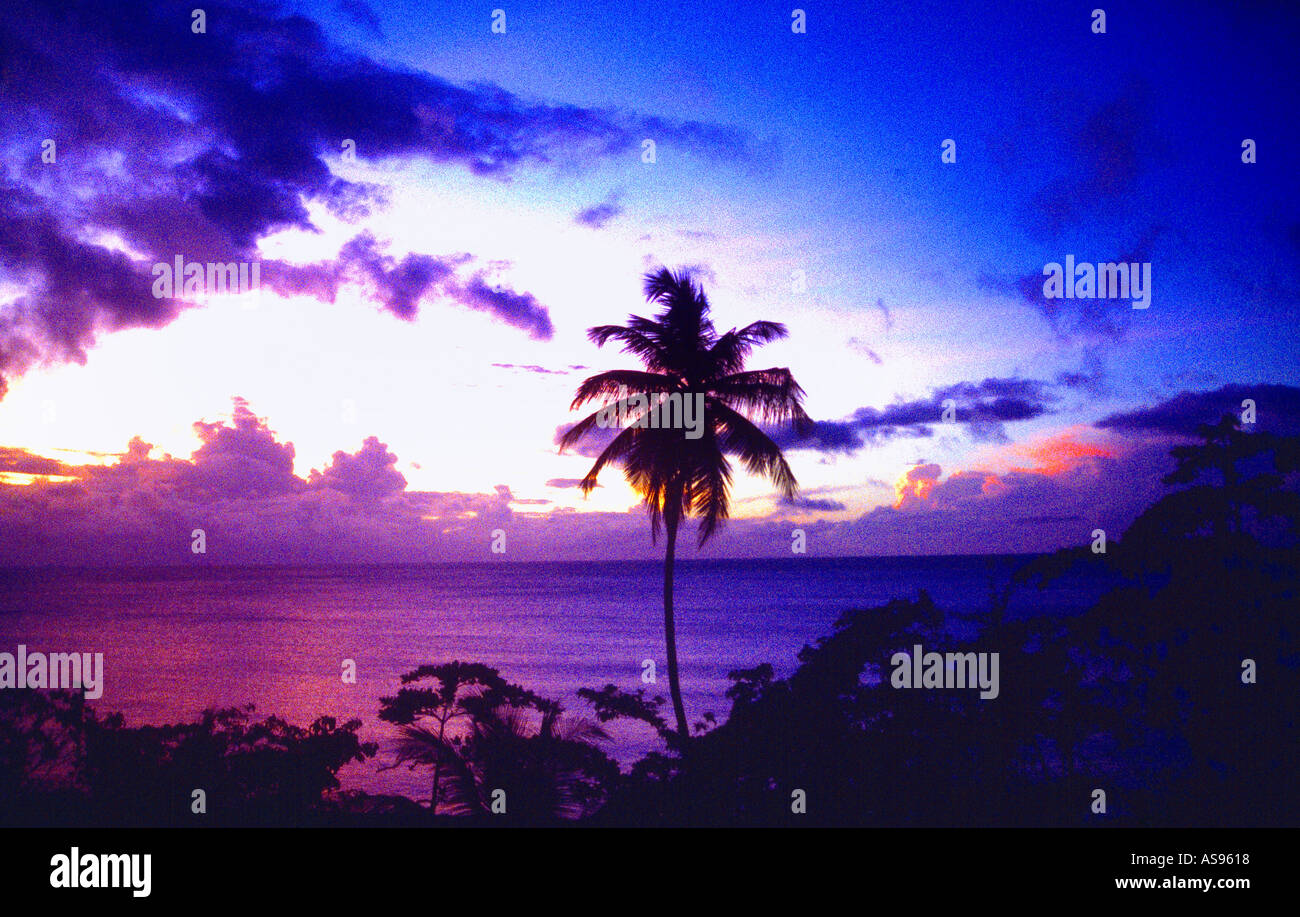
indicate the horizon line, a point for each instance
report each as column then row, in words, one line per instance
column 483, row 563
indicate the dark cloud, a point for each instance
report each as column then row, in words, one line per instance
column 1088, row 318
column 981, row 407
column 400, row 285
column 520, row 310
column 1090, row 378
column 597, row 215
column 361, row 13
column 1277, row 410
column 71, row 288
column 203, row 145
column 824, row 504
column 838, row 436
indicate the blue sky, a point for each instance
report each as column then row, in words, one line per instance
column 846, row 121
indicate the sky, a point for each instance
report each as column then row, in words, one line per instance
column 440, row 210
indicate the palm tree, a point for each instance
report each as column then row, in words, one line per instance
column 481, row 733
column 548, row 761
column 678, row 476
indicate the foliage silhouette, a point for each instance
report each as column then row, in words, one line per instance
column 482, row 734
column 1143, row 695
column 62, row 764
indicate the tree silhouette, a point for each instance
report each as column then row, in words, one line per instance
column 481, row 734
column 61, row 763
column 1147, row 692
column 459, row 690
column 678, row 477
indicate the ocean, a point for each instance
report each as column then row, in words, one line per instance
column 177, row 640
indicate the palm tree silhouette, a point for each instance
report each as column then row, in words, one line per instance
column 481, row 733
column 675, row 475
column 551, row 767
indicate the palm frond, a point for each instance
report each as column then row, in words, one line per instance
column 737, row 435
column 682, row 352
column 767, row 395
column 708, row 493
column 645, row 347
column 620, row 447
column 625, row 409
column 458, row 790
column 731, row 349
column 619, row 383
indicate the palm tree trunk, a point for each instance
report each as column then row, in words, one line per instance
column 670, row 630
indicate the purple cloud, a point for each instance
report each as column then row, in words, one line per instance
column 597, row 215
column 1070, row 318
column 368, row 476
column 566, row 483
column 981, row 407
column 204, row 144
column 401, row 285
column 1277, row 410
column 240, row 488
